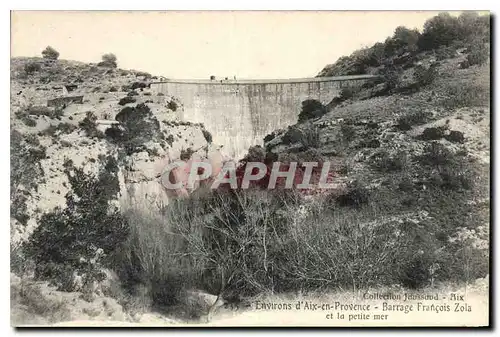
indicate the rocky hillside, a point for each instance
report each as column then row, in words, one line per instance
column 50, row 141
column 413, row 149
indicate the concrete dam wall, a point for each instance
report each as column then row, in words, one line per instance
column 240, row 113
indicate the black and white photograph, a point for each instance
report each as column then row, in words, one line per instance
column 250, row 168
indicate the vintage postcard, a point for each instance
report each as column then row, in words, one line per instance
column 250, row 168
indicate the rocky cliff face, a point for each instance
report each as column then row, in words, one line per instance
column 49, row 143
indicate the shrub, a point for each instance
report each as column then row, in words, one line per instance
column 449, row 178
column 346, row 93
column 404, row 40
column 455, row 137
column 207, row 135
column 307, row 136
column 78, row 238
column 413, row 117
column 108, row 60
column 138, row 85
column 32, row 67
column 26, row 153
column 311, row 108
column 383, row 161
column 139, row 127
column 172, row 105
column 113, row 89
column 424, row 76
column 65, row 128
column 440, row 30
column 436, row 154
column 126, row 100
column 28, row 121
column 464, row 64
column 391, row 77
column 310, row 137
column 34, row 110
column 474, row 28
column 449, row 170
column 466, row 94
column 434, row 133
column 355, row 196
column 88, row 124
column 292, row 135
column 479, row 55
column 445, row 52
column 115, row 132
column 143, row 74
column 445, row 30
column 50, row 53
column 348, row 132
column 186, row 154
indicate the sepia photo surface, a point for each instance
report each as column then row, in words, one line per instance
column 250, row 168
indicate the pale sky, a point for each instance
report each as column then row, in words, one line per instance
column 257, row 44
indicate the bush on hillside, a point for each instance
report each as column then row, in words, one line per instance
column 108, row 60
column 455, row 137
column 414, row 117
column 28, row 121
column 474, row 28
column 445, row 52
column 88, row 124
column 445, row 30
column 64, row 128
column 207, row 135
column 32, row 67
column 391, row 76
column 26, row 153
column 348, row 132
column 77, row 239
column 172, row 105
column 466, row 94
column 383, row 161
column 440, row 30
column 346, row 93
column 403, row 40
column 354, row 196
column 424, row 76
column 433, row 133
column 311, row 137
column 126, row 100
column 138, row 85
column 40, row 110
column 449, row 170
column 50, row 53
column 138, row 126
column 479, row 55
column 311, row 108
